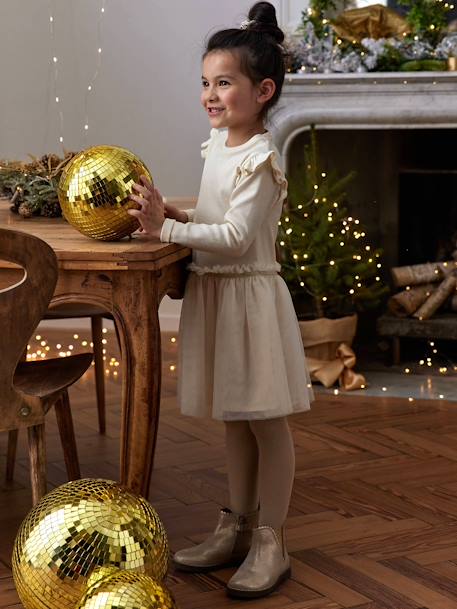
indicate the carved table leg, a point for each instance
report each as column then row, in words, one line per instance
column 135, row 308
column 133, row 297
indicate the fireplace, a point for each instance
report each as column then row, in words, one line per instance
column 396, row 130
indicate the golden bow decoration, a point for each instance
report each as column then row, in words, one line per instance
column 374, row 21
column 340, row 368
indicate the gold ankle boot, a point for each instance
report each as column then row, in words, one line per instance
column 226, row 547
column 265, row 567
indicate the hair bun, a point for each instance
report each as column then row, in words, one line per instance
column 262, row 19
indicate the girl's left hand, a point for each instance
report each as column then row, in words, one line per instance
column 151, row 214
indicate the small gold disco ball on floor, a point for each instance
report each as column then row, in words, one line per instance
column 77, row 527
column 94, row 191
column 112, row 588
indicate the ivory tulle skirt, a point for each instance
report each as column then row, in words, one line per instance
column 240, row 351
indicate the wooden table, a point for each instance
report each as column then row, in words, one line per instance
column 128, row 279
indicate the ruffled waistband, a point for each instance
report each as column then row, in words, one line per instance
column 239, row 275
column 235, row 269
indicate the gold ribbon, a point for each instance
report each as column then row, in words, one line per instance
column 374, row 21
column 340, row 368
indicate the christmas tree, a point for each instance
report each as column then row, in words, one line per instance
column 326, row 260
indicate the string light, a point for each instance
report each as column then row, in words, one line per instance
column 96, row 72
column 112, row 366
column 55, row 70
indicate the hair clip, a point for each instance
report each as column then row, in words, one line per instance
column 246, row 24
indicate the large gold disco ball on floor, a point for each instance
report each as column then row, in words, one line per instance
column 77, row 527
column 94, row 191
column 112, row 588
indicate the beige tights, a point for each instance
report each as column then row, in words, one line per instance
column 261, row 467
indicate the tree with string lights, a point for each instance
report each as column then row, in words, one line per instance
column 325, row 258
column 427, row 18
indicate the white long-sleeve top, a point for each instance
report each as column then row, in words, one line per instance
column 234, row 225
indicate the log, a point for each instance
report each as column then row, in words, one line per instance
column 439, row 327
column 408, row 301
column 422, row 273
column 437, row 298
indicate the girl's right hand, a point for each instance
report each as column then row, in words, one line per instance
column 175, row 214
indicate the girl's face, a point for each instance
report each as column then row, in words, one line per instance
column 230, row 98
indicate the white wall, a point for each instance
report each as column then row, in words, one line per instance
column 146, row 96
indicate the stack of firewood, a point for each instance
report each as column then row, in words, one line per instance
column 424, row 288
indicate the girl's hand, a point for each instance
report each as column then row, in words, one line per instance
column 151, row 214
column 175, row 214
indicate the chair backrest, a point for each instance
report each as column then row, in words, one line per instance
column 22, row 306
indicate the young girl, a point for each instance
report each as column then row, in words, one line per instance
column 241, row 355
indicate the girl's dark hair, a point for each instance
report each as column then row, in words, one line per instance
column 258, row 45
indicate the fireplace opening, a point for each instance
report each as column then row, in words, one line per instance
column 427, row 216
column 404, row 193
column 401, row 176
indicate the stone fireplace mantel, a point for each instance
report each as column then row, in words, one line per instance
column 376, row 100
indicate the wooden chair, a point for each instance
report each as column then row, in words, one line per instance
column 28, row 390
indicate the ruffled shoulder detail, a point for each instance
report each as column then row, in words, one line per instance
column 205, row 145
column 256, row 160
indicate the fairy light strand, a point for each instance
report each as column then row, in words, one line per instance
column 55, row 63
column 90, row 87
column 349, row 232
column 55, row 69
column 42, row 349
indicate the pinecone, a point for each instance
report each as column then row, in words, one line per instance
column 51, row 209
column 25, row 210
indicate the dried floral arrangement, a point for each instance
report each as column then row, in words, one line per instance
column 31, row 186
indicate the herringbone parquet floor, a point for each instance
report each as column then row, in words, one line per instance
column 373, row 518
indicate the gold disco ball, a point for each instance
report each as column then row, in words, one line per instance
column 112, row 588
column 77, row 527
column 94, row 191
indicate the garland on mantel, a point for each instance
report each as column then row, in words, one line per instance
column 374, row 38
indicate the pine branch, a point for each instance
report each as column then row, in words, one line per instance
column 32, row 186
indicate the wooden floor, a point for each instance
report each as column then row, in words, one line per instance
column 373, row 518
